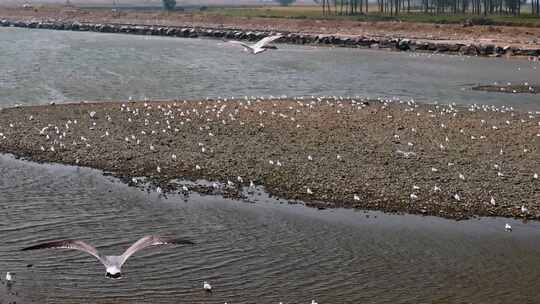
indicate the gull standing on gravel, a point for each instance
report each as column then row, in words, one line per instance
column 258, row 47
column 112, row 263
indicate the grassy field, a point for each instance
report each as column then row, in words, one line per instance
column 314, row 12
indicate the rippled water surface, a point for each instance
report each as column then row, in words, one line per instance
column 38, row 66
column 262, row 252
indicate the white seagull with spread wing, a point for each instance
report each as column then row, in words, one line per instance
column 258, row 47
column 113, row 263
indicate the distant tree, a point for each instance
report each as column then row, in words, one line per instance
column 285, row 2
column 169, row 5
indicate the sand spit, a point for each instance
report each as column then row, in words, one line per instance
column 394, row 156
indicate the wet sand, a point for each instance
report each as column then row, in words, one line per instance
column 393, row 156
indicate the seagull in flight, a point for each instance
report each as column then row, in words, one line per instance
column 259, row 47
column 112, row 263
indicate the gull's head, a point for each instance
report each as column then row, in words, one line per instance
column 117, row 275
column 113, row 273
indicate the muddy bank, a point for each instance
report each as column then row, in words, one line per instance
column 396, row 157
column 398, row 44
column 509, row 88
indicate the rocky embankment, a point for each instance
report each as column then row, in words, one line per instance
column 400, row 44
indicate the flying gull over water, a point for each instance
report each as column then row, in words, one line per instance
column 112, row 263
column 259, row 47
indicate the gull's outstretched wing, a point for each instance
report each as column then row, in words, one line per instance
column 266, row 41
column 149, row 241
column 68, row 244
column 246, row 46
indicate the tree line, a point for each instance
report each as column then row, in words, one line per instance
column 395, row 7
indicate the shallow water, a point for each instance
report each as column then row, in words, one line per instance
column 262, row 252
column 38, row 66
column 252, row 253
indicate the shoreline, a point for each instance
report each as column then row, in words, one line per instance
column 397, row 157
column 451, row 47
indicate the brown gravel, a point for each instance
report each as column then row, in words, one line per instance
column 240, row 139
column 515, row 36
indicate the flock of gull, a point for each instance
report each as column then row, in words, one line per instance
column 150, row 122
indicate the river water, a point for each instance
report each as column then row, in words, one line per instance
column 38, row 66
column 262, row 252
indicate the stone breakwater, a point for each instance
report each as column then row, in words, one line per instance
column 398, row 44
